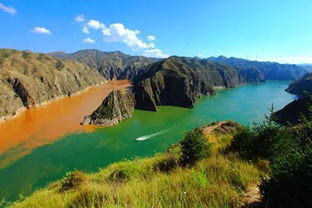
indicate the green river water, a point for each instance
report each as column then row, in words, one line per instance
column 90, row 151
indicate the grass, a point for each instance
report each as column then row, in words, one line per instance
column 218, row 180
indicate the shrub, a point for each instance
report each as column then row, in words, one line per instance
column 289, row 151
column 193, row 147
column 263, row 165
column 25, row 54
column 291, row 183
column 167, row 164
column 73, row 180
column 88, row 198
column 59, row 64
column 265, row 140
column 120, row 175
column 243, row 142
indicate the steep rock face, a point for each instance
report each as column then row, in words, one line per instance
column 28, row 79
column 265, row 70
column 252, row 75
column 179, row 81
column 111, row 65
column 301, row 86
column 116, row 107
column 292, row 112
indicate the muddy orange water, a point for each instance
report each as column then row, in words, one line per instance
column 43, row 125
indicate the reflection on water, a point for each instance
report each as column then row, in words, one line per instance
column 42, row 125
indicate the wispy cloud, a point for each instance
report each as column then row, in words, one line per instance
column 80, row 18
column 8, row 9
column 85, row 30
column 157, row 53
column 118, row 32
column 151, row 37
column 41, row 30
column 89, row 40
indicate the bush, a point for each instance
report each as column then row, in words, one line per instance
column 167, row 164
column 288, row 150
column 291, row 183
column 59, row 64
column 25, row 54
column 73, row 180
column 244, row 142
column 265, row 140
column 193, row 147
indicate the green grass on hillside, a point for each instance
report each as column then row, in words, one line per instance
column 218, row 180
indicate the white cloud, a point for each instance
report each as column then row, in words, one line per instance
column 119, row 33
column 80, row 18
column 89, row 40
column 151, row 37
column 8, row 9
column 94, row 24
column 85, row 30
column 157, row 53
column 41, row 30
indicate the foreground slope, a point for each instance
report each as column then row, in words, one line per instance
column 27, row 79
column 217, row 179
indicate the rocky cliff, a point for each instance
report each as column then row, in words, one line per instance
column 111, row 65
column 179, row 81
column 116, row 107
column 28, row 79
column 292, row 112
column 301, row 86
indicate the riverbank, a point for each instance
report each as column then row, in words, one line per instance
column 45, row 123
column 21, row 110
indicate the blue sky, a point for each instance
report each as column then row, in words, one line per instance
column 275, row 30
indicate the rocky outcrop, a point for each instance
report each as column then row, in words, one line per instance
column 179, row 81
column 252, row 75
column 28, row 79
column 291, row 113
column 116, row 107
column 301, row 86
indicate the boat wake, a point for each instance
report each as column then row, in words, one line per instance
column 149, row 136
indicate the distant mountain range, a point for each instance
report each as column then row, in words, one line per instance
column 30, row 78
column 259, row 71
column 307, row 66
column 117, row 65
column 112, row 65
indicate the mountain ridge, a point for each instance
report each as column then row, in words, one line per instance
column 29, row 79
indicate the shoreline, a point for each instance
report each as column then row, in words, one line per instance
column 18, row 112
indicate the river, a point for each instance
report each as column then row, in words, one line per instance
column 58, row 144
